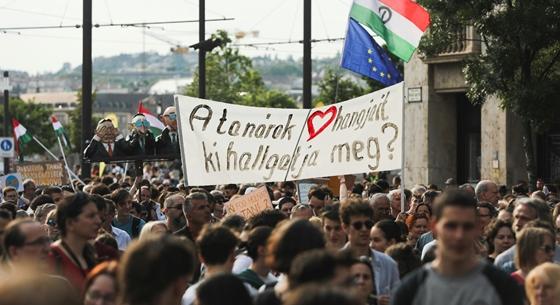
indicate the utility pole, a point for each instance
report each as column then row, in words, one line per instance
column 307, row 54
column 6, row 116
column 86, row 83
column 201, row 51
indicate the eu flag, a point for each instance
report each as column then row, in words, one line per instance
column 364, row 56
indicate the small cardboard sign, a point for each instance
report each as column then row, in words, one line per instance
column 44, row 173
column 14, row 180
column 250, row 204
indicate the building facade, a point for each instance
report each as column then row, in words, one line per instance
column 446, row 136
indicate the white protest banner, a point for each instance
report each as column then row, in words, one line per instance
column 225, row 143
column 250, row 204
column 360, row 135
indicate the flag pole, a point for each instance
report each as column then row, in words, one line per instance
column 125, row 170
column 403, row 195
column 66, row 163
column 55, row 157
column 45, row 148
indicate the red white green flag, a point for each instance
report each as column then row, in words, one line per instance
column 59, row 130
column 401, row 23
column 20, row 132
column 156, row 126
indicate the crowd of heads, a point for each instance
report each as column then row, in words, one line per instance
column 152, row 240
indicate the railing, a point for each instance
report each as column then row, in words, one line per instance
column 467, row 42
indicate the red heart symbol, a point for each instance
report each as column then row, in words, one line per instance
column 311, row 129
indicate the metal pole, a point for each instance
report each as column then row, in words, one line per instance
column 403, row 150
column 6, row 118
column 65, row 163
column 86, row 84
column 201, row 51
column 307, row 54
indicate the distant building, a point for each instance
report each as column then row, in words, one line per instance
column 170, row 86
column 61, row 103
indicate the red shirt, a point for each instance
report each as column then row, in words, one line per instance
column 518, row 278
column 63, row 265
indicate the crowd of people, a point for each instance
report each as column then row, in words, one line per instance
column 152, row 240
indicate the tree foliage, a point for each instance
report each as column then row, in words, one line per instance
column 519, row 62
column 231, row 78
column 336, row 87
column 36, row 119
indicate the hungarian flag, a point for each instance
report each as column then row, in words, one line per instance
column 59, row 130
column 20, row 133
column 156, row 126
column 401, row 23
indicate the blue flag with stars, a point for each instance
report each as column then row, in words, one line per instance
column 364, row 56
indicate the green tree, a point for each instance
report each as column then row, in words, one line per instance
column 269, row 98
column 229, row 75
column 335, row 87
column 519, row 62
column 36, row 119
column 75, row 127
column 231, row 78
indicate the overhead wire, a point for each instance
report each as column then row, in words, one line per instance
column 206, row 8
column 294, row 22
column 97, row 25
column 108, row 11
column 35, row 13
column 318, row 5
column 286, row 42
column 282, row 2
column 65, row 10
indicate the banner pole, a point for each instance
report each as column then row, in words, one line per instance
column 125, row 170
column 403, row 195
column 45, row 148
column 53, row 155
column 66, row 163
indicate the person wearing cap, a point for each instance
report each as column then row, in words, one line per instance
column 106, row 143
column 168, row 141
column 141, row 141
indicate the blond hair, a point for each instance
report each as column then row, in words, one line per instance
column 548, row 272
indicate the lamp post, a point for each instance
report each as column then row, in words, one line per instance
column 6, row 87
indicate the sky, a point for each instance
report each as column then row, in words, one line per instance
column 37, row 51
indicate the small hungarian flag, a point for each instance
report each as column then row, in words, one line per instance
column 20, row 133
column 59, row 130
column 156, row 126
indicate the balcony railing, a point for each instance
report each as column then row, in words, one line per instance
column 467, row 43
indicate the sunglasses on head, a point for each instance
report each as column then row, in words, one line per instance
column 172, row 116
column 358, row 225
column 139, row 123
column 51, row 222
